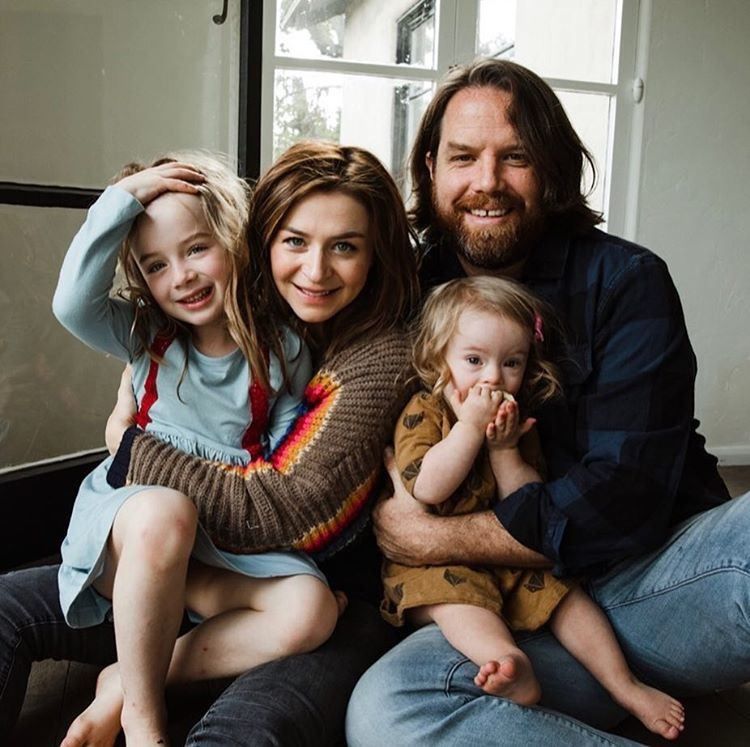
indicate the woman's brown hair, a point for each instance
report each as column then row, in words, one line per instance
column 391, row 291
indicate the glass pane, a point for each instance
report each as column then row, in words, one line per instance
column 572, row 39
column 88, row 85
column 380, row 114
column 590, row 115
column 55, row 393
column 399, row 31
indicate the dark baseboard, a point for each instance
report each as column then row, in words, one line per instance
column 35, row 506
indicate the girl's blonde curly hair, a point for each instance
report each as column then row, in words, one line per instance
column 438, row 320
column 226, row 201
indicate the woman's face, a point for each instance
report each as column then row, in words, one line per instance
column 321, row 255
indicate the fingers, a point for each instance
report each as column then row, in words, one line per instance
column 527, row 425
column 148, row 184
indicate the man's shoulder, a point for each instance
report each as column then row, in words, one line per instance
column 599, row 258
column 610, row 250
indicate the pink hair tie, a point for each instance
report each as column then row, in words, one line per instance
column 538, row 334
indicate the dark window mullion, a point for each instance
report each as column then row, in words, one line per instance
column 251, row 55
column 45, row 195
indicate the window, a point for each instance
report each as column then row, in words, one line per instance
column 349, row 70
column 362, row 72
column 87, row 86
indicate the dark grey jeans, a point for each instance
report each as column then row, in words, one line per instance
column 299, row 700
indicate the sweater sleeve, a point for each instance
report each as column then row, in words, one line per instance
column 311, row 492
column 82, row 301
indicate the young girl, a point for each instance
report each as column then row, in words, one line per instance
column 481, row 352
column 212, row 382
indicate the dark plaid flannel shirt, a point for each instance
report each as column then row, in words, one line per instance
column 624, row 459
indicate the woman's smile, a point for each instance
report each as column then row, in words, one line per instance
column 321, row 255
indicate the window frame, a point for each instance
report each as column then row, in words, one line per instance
column 248, row 124
column 456, row 24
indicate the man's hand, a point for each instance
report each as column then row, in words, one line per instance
column 400, row 520
column 123, row 416
column 408, row 534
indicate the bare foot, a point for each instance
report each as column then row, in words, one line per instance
column 656, row 710
column 342, row 601
column 99, row 724
column 510, row 677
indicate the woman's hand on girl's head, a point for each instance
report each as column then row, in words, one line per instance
column 174, row 176
column 123, row 415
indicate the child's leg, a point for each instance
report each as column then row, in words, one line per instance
column 481, row 635
column 248, row 622
column 149, row 549
column 585, row 631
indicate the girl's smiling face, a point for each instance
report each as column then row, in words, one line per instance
column 321, row 255
column 184, row 266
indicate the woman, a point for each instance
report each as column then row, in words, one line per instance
column 333, row 257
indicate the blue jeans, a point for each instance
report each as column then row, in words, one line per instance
column 682, row 615
column 299, row 700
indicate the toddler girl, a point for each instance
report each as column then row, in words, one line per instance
column 212, row 382
column 467, row 441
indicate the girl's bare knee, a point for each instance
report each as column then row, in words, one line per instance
column 310, row 619
column 160, row 522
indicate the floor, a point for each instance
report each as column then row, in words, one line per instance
column 58, row 691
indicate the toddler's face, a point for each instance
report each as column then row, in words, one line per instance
column 487, row 349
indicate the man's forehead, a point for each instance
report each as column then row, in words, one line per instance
column 474, row 112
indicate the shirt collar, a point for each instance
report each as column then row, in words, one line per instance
column 548, row 257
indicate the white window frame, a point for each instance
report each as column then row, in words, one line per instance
column 456, row 25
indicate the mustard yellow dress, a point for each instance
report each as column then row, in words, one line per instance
column 524, row 598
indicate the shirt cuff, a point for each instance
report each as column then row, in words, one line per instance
column 118, row 471
column 534, row 522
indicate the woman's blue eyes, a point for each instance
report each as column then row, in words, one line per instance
column 340, row 247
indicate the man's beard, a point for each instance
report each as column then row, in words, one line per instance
column 495, row 247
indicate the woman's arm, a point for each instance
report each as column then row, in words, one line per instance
column 309, row 494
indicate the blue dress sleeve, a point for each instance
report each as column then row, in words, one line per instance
column 82, row 302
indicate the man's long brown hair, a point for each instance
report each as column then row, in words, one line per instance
column 552, row 146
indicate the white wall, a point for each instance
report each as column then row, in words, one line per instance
column 693, row 200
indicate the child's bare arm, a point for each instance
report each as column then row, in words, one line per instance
column 510, row 469
column 445, row 466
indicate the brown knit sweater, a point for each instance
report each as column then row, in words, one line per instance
column 311, row 493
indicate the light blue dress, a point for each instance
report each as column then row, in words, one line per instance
column 207, row 419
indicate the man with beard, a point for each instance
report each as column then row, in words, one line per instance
column 632, row 500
